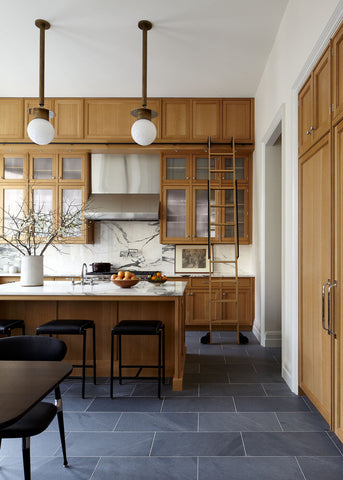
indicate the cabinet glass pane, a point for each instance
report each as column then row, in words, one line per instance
column 71, row 168
column 14, row 168
column 176, row 213
column 42, row 168
column 201, row 168
column 229, row 214
column 201, row 213
column 42, row 200
column 239, row 168
column 176, row 168
column 13, row 205
column 71, row 205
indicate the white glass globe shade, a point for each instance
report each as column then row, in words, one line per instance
column 40, row 131
column 143, row 132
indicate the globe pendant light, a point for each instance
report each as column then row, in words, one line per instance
column 143, row 131
column 40, row 129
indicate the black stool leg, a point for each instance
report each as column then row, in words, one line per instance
column 112, row 346
column 26, row 458
column 119, row 355
column 83, row 364
column 159, row 363
column 94, row 363
column 58, row 403
column 23, row 329
column 163, row 355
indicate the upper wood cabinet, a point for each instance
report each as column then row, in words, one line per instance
column 238, row 119
column 206, row 119
column 68, row 118
column 314, row 104
column 337, row 74
column 11, row 118
column 176, row 119
column 109, row 119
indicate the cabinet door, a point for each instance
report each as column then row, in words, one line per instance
column 72, row 198
column 43, row 168
column 244, row 225
column 44, row 203
column 198, row 305
column 109, row 119
column 176, row 169
column 200, row 168
column 305, row 116
column 206, row 119
column 31, row 103
column 315, row 257
column 238, row 120
column 337, row 77
column 14, row 169
column 176, row 119
column 11, row 119
column 72, row 168
column 244, row 303
column 175, row 219
column 199, row 233
column 322, row 96
column 69, row 118
column 13, row 205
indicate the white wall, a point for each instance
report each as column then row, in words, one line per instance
column 306, row 27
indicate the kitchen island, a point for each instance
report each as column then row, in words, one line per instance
column 106, row 304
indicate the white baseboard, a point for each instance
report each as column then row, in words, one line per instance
column 257, row 332
column 272, row 339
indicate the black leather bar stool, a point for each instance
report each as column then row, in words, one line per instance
column 73, row 327
column 139, row 327
column 6, row 326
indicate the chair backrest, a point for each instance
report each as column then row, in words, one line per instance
column 32, row 347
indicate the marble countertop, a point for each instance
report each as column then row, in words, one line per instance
column 101, row 289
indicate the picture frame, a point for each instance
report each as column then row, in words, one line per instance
column 191, row 259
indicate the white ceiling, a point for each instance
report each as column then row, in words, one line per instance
column 196, row 48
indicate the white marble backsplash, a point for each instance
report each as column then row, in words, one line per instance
column 126, row 245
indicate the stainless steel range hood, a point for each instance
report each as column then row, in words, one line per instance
column 124, row 187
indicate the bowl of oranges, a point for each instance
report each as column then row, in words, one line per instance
column 157, row 278
column 124, row 279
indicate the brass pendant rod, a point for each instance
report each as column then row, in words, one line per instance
column 42, row 25
column 144, row 25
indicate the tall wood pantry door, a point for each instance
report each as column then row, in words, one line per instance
column 315, row 268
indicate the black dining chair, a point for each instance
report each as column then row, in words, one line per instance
column 36, row 420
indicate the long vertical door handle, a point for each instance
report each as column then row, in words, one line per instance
column 334, row 284
column 323, row 305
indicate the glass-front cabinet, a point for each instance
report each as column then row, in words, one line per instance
column 13, row 168
column 185, row 211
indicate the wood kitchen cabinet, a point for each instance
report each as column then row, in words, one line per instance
column 176, row 119
column 314, row 104
column 11, row 119
column 238, row 120
column 184, row 199
column 110, row 120
column 197, row 302
column 69, row 114
column 337, row 75
column 206, row 119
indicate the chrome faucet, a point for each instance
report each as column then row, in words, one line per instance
column 83, row 272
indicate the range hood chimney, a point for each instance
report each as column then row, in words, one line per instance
column 124, row 187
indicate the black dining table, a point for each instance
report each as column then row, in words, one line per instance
column 25, row 383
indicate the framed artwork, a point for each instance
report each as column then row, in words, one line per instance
column 191, row 259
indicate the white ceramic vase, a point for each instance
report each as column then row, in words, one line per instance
column 31, row 271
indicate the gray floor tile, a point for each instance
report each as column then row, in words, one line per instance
column 238, row 422
column 302, row 422
column 204, row 404
column 150, row 390
column 242, row 377
column 206, row 377
column 336, row 441
column 197, row 444
column 76, row 404
column 157, row 422
column 126, row 404
column 149, row 468
column 289, row 444
column 87, row 422
column 44, row 445
column 102, row 390
column 319, row 468
column 270, row 404
column 278, row 390
column 213, row 389
column 95, row 444
column 243, row 468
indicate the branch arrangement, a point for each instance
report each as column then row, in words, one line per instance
column 31, row 230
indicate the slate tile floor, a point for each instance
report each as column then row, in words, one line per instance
column 235, row 419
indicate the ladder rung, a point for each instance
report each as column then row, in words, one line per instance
column 222, row 205
column 222, row 188
column 229, row 224
column 224, row 301
column 217, row 280
column 221, row 171
column 225, row 322
column 222, row 154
